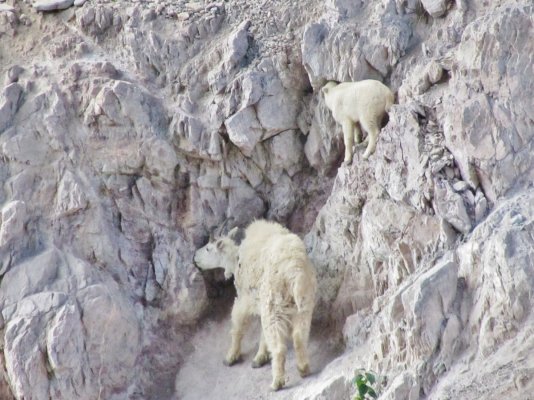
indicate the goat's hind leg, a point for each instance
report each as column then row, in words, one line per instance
column 275, row 336
column 301, row 333
column 371, row 127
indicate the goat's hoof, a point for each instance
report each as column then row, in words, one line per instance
column 304, row 371
column 229, row 361
column 278, row 384
column 260, row 361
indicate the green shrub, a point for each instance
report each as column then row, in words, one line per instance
column 364, row 382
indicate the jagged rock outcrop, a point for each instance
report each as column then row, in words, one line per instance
column 130, row 131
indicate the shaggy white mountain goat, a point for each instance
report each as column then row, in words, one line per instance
column 274, row 279
column 358, row 104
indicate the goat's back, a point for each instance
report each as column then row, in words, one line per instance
column 274, row 260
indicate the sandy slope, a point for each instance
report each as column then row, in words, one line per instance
column 205, row 377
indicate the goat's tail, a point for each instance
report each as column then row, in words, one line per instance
column 390, row 100
column 304, row 288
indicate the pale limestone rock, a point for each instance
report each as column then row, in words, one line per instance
column 277, row 113
column 123, row 104
column 130, row 166
column 436, row 8
column 390, row 257
column 286, row 149
column 451, row 206
column 493, row 94
column 238, row 44
column 9, row 20
column 370, row 55
column 13, row 74
column 160, row 159
column 345, row 8
column 52, row 5
column 7, row 8
column 403, row 387
column 506, row 248
column 244, row 130
column 26, row 147
column 70, row 195
column 9, row 104
column 434, row 72
column 14, row 217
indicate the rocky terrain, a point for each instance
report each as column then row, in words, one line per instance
column 131, row 130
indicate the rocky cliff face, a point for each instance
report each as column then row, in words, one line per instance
column 131, row 130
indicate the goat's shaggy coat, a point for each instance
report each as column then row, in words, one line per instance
column 274, row 279
column 357, row 105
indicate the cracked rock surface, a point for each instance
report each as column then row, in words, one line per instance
column 131, row 131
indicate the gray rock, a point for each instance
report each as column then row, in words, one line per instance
column 7, row 8
column 13, row 74
column 434, row 72
column 14, row 218
column 9, row 104
column 436, row 8
column 277, row 113
column 238, row 44
column 52, row 5
column 485, row 91
column 369, row 54
column 450, row 205
column 70, row 195
column 244, row 130
column 112, row 174
column 345, row 8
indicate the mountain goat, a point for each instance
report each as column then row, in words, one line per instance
column 274, row 279
column 358, row 104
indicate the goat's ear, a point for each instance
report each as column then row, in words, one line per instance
column 325, row 89
column 233, row 234
column 220, row 245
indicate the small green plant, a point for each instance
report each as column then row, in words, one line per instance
column 364, row 382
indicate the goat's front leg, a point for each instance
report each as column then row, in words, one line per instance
column 240, row 316
column 371, row 127
column 348, row 139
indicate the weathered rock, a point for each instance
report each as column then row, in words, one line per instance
column 244, row 130
column 7, row 8
column 52, row 5
column 493, row 94
column 345, row 8
column 339, row 52
column 9, row 104
column 436, row 8
column 129, row 137
column 70, row 195
column 451, row 207
column 14, row 217
column 13, row 74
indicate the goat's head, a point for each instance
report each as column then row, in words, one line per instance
column 219, row 253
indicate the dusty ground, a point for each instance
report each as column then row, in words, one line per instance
column 205, row 377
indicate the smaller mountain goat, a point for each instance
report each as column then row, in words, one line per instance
column 274, row 279
column 357, row 105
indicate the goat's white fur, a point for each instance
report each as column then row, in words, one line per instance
column 358, row 104
column 274, row 279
